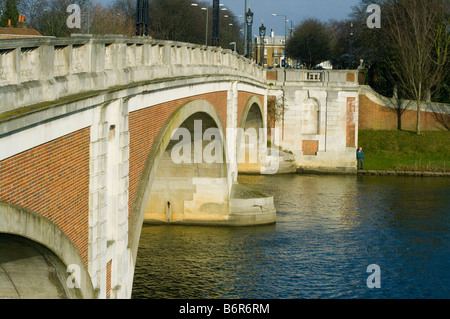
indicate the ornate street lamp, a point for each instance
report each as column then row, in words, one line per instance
column 142, row 17
column 262, row 35
column 249, row 20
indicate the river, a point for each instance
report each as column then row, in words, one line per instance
column 329, row 229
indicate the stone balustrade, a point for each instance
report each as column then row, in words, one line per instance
column 39, row 70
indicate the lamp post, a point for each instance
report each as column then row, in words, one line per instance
column 262, row 34
column 285, row 26
column 245, row 29
column 142, row 17
column 215, row 26
column 207, row 16
column 256, row 49
column 89, row 16
column 291, row 30
column 351, row 45
column 249, row 22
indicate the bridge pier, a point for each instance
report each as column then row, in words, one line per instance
column 108, row 193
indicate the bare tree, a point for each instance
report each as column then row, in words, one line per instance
column 32, row 9
column 417, row 33
column 125, row 8
column 441, row 113
column 176, row 20
column 397, row 105
column 111, row 21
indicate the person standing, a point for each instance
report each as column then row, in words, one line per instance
column 360, row 157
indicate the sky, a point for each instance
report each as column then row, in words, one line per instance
column 294, row 10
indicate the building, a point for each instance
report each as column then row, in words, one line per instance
column 22, row 30
column 274, row 50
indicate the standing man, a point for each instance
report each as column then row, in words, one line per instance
column 360, row 157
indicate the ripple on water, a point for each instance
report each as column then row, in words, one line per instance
column 328, row 230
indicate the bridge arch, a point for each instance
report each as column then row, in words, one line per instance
column 42, row 231
column 185, row 117
column 253, row 107
column 251, row 137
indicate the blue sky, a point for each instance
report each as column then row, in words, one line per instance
column 295, row 10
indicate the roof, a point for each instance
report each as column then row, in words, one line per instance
column 8, row 32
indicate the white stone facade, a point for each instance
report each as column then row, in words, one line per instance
column 315, row 105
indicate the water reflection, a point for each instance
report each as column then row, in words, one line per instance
column 328, row 230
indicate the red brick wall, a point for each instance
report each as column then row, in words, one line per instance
column 350, row 77
column 351, row 122
column 108, row 278
column 145, row 124
column 378, row 117
column 271, row 75
column 53, row 180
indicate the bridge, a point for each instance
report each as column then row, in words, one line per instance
column 99, row 135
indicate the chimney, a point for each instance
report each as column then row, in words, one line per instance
column 22, row 22
column 272, row 34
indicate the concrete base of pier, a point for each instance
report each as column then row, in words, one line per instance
column 245, row 207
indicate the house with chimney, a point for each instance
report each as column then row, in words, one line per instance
column 21, row 31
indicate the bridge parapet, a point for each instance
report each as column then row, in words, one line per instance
column 313, row 78
column 34, row 71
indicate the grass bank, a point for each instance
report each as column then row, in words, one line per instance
column 405, row 150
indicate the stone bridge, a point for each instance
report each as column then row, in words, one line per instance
column 99, row 135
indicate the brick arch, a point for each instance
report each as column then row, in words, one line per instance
column 25, row 223
column 159, row 145
column 243, row 110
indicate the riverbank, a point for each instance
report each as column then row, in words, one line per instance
column 402, row 173
column 371, row 172
column 405, row 151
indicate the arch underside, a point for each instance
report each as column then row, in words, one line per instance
column 191, row 183
column 35, row 255
column 31, row 271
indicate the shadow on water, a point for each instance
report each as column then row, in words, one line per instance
column 328, row 230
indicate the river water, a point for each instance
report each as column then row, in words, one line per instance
column 329, row 229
